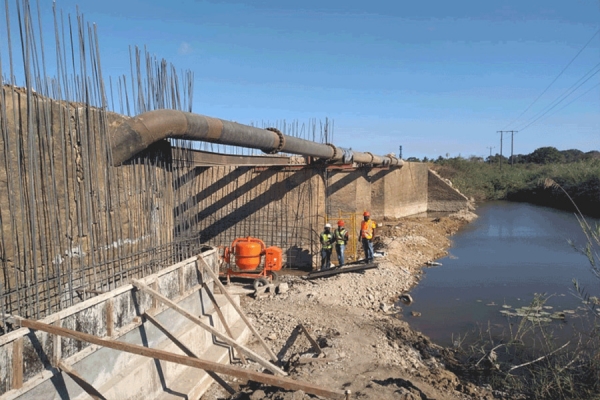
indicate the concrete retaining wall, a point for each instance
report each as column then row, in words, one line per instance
column 277, row 205
column 28, row 359
column 391, row 193
column 442, row 197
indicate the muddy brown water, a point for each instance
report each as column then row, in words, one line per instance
column 511, row 252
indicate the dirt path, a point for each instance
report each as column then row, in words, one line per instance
column 366, row 347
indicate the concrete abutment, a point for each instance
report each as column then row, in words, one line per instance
column 391, row 192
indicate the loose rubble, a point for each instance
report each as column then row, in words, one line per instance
column 355, row 318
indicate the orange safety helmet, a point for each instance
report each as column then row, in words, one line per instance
column 340, row 223
column 366, row 214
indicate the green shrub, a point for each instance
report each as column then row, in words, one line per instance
column 524, row 182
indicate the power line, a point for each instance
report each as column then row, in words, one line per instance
column 577, row 98
column 564, row 96
column 574, row 100
column 555, row 79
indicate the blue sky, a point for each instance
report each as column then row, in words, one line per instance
column 436, row 77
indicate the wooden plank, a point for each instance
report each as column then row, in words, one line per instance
column 312, row 341
column 336, row 271
column 198, row 321
column 17, row 364
column 237, row 308
column 187, row 351
column 85, row 385
column 241, row 373
column 222, row 317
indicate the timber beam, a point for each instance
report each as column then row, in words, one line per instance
column 211, row 273
column 240, row 373
column 165, row 300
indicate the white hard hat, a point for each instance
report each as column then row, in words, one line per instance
column 327, row 225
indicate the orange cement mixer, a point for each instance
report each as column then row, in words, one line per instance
column 247, row 254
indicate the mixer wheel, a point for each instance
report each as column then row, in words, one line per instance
column 260, row 282
column 274, row 276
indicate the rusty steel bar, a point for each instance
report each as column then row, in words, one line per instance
column 136, row 134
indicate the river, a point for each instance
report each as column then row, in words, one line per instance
column 498, row 262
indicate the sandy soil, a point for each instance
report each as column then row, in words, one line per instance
column 366, row 346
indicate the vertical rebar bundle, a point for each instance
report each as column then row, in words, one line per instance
column 73, row 226
column 70, row 226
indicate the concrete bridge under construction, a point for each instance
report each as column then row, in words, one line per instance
column 77, row 230
column 104, row 216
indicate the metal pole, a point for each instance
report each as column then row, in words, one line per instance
column 501, row 134
column 511, row 146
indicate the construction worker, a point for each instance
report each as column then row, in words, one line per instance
column 326, row 238
column 341, row 238
column 367, row 232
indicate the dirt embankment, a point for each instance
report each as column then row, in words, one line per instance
column 366, row 346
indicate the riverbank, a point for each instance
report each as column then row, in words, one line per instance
column 528, row 182
column 367, row 347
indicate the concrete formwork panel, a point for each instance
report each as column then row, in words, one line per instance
column 117, row 315
column 405, row 190
column 6, row 367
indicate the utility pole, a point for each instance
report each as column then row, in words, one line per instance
column 501, row 134
column 400, row 152
column 490, row 147
column 512, row 133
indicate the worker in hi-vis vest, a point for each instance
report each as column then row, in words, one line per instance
column 367, row 232
column 341, row 238
column 326, row 238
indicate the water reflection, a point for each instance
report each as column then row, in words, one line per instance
column 510, row 252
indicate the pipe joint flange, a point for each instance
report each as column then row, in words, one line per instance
column 337, row 152
column 281, row 143
column 372, row 157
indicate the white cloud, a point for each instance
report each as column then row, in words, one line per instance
column 185, row 48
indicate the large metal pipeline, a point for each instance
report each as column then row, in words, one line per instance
column 136, row 134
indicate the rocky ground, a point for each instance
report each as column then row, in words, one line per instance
column 366, row 347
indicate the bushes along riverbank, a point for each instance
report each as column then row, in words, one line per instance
column 525, row 182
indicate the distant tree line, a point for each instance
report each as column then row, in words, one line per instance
column 550, row 155
column 542, row 155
